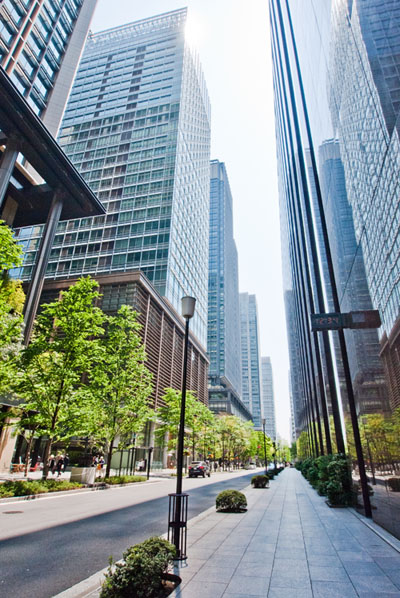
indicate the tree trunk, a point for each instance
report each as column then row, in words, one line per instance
column 27, row 455
column 109, row 456
column 46, row 457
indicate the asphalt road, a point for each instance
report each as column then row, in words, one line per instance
column 50, row 544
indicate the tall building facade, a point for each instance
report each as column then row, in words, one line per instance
column 267, row 394
column 41, row 42
column 137, row 126
column 337, row 124
column 223, row 336
column 250, row 349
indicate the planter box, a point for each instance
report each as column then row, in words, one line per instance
column 84, row 475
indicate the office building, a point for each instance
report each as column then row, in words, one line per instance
column 249, row 343
column 137, row 127
column 337, row 121
column 223, row 336
column 267, row 397
column 40, row 46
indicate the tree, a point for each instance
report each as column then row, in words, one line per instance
column 11, row 304
column 257, row 445
column 235, row 438
column 121, row 382
column 197, row 418
column 54, row 366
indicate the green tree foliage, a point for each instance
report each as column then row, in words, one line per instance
column 11, row 304
column 198, row 418
column 257, row 446
column 64, row 348
column 121, row 382
column 235, row 438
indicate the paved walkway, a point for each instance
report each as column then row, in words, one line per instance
column 289, row 544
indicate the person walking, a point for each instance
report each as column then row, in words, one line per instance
column 52, row 464
column 59, row 464
column 66, row 461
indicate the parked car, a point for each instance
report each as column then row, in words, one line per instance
column 199, row 468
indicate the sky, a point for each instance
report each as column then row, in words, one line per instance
column 233, row 43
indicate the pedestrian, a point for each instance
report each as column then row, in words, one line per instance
column 59, row 464
column 52, row 464
column 66, row 461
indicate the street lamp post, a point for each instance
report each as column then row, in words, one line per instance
column 179, row 522
column 265, row 448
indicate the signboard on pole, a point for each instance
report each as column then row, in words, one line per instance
column 355, row 319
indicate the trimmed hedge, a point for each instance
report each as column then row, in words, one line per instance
column 260, row 481
column 122, row 479
column 231, row 501
column 27, row 488
column 140, row 574
column 330, row 476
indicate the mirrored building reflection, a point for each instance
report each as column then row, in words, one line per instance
column 337, row 103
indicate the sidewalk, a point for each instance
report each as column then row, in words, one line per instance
column 289, row 544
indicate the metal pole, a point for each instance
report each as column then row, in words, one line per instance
column 149, row 461
column 180, row 446
column 265, row 448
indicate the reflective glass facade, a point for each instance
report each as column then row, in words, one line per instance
column 267, row 393
column 250, row 349
column 137, row 127
column 223, row 288
column 337, row 104
column 34, row 39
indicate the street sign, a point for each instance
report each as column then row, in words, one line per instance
column 330, row 321
column 364, row 319
column 355, row 319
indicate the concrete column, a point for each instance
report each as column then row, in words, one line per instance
column 37, row 279
column 7, row 164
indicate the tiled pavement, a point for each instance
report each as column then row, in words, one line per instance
column 289, row 544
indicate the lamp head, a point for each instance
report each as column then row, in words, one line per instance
column 188, row 306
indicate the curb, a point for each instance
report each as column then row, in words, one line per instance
column 378, row 530
column 11, row 499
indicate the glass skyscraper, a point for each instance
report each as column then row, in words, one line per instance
column 40, row 47
column 223, row 287
column 337, row 104
column 137, row 126
column 223, row 335
column 267, row 394
column 250, row 349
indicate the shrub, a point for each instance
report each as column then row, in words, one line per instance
column 394, row 484
column 231, row 501
column 338, row 488
column 122, row 479
column 27, row 488
column 140, row 575
column 260, row 481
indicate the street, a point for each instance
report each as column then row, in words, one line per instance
column 52, row 543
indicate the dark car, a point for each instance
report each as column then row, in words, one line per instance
column 199, row 468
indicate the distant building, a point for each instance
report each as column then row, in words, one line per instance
column 267, row 396
column 223, row 336
column 251, row 382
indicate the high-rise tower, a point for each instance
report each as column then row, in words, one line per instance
column 251, row 382
column 223, row 334
column 267, row 394
column 41, row 42
column 137, row 127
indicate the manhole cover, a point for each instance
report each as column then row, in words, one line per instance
column 11, row 512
